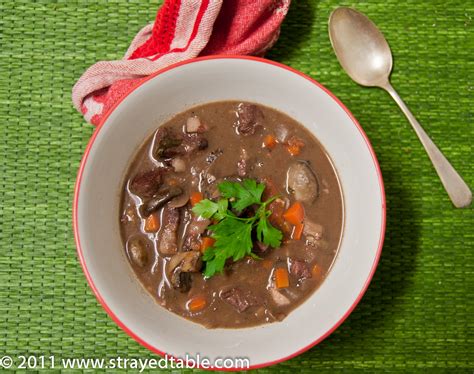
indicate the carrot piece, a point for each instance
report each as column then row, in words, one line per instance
column 269, row 141
column 267, row 264
column 316, row 271
column 196, row 197
column 152, row 223
column 298, row 231
column 196, row 303
column 294, row 145
column 281, row 278
column 294, row 214
column 206, row 243
column 293, row 149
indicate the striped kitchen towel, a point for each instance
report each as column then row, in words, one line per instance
column 183, row 29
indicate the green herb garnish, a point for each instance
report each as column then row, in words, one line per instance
column 233, row 234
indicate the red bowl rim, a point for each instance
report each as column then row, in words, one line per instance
column 84, row 160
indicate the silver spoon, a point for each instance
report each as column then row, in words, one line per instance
column 365, row 55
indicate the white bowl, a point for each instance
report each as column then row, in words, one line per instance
column 134, row 118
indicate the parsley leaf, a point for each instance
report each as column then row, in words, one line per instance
column 222, row 205
column 268, row 234
column 206, row 208
column 244, row 194
column 215, row 261
column 233, row 234
column 233, row 240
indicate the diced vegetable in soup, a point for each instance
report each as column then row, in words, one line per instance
column 231, row 214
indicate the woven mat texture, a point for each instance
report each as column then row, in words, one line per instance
column 417, row 314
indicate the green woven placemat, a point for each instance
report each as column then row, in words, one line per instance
column 417, row 314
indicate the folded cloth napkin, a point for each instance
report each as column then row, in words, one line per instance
column 183, row 29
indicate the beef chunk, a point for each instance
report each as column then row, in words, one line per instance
column 170, row 145
column 249, row 117
column 299, row 269
column 278, row 208
column 238, row 299
column 146, row 184
column 197, row 225
column 169, row 233
column 195, row 228
column 192, row 243
column 194, row 142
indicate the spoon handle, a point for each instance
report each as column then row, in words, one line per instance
column 457, row 189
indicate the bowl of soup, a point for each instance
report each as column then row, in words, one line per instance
column 229, row 207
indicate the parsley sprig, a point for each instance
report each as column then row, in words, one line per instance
column 233, row 234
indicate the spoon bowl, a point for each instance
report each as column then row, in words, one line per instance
column 365, row 55
column 360, row 47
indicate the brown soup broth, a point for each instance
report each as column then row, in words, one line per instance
column 230, row 145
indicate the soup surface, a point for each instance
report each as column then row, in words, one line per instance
column 231, row 214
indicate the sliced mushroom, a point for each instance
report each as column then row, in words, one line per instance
column 281, row 132
column 137, row 252
column 129, row 215
column 301, row 182
column 180, row 266
column 189, row 262
column 179, row 201
column 159, row 200
column 181, row 280
column 278, row 298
